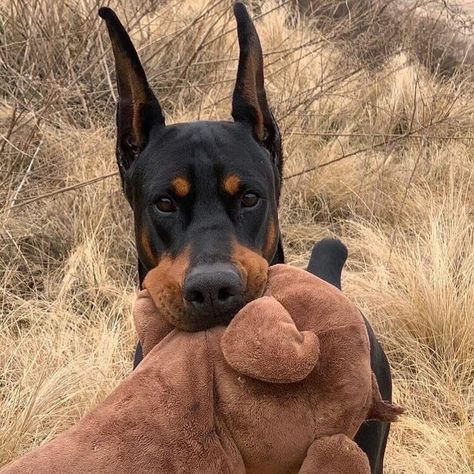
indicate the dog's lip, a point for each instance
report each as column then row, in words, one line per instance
column 194, row 323
column 195, row 326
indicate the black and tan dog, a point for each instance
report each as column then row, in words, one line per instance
column 205, row 200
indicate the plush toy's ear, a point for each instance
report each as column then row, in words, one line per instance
column 263, row 342
column 151, row 328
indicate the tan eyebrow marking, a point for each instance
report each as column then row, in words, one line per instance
column 232, row 183
column 270, row 239
column 181, row 186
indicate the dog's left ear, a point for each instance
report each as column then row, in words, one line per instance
column 249, row 101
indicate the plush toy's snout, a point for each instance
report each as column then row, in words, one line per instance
column 263, row 342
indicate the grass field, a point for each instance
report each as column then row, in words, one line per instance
column 377, row 117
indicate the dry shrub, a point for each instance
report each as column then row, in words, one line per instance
column 418, row 289
column 380, row 156
column 436, row 33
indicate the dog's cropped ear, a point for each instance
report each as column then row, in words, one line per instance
column 138, row 110
column 249, row 101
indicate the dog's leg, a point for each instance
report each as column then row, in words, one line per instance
column 138, row 356
column 372, row 435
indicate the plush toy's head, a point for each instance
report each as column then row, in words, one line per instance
column 262, row 341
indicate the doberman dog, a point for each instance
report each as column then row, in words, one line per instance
column 205, row 196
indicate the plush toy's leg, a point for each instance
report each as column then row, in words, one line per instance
column 336, row 454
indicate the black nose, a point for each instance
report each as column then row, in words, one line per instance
column 213, row 291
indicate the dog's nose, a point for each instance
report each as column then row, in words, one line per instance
column 213, row 291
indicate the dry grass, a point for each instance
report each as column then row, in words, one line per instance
column 398, row 190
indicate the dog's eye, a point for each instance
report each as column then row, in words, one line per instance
column 249, row 200
column 165, row 204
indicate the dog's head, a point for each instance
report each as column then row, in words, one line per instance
column 204, row 194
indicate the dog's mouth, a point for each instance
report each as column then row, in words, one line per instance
column 193, row 323
column 173, row 307
column 175, row 302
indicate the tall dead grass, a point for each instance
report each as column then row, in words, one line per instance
column 381, row 157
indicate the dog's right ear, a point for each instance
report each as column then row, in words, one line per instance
column 138, row 110
column 249, row 100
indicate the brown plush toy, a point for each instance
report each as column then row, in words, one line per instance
column 282, row 389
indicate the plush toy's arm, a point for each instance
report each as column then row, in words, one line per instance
column 151, row 328
column 263, row 342
column 335, row 454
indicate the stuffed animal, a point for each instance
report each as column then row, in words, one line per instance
column 282, row 389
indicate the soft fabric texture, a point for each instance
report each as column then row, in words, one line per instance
column 282, row 389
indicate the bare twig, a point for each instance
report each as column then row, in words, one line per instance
column 359, row 151
column 73, row 187
column 379, row 135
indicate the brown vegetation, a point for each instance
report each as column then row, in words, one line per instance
column 379, row 153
